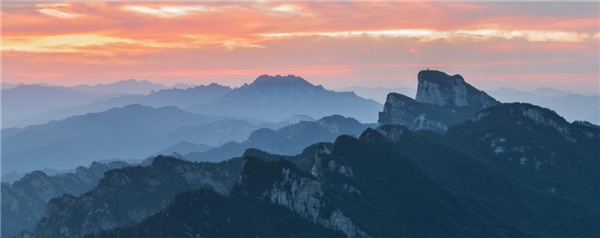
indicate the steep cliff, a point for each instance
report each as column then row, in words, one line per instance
column 438, row 88
column 441, row 101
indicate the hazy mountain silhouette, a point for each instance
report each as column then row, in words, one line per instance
column 129, row 86
column 167, row 97
column 133, row 131
column 214, row 133
column 28, row 100
column 275, row 98
column 289, row 140
column 378, row 94
column 569, row 105
column 183, row 147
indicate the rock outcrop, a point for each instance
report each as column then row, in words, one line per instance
column 438, row 88
column 441, row 101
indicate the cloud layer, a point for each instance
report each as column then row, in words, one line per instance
column 334, row 44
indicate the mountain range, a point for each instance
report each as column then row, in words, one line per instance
column 416, row 183
column 452, row 162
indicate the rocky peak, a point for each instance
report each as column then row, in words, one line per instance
column 438, row 88
column 442, row 101
column 278, row 81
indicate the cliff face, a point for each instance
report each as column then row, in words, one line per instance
column 439, row 88
column 282, row 183
column 441, row 101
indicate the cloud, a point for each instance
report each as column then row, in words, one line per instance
column 167, row 11
column 367, row 39
column 57, row 13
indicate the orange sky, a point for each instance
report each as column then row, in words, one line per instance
column 336, row 44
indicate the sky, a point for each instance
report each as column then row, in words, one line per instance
column 335, row 44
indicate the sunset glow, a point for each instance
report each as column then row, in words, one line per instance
column 334, row 44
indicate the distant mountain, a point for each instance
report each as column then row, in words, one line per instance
column 129, row 86
column 133, row 131
column 184, row 147
column 183, row 85
column 289, row 140
column 378, row 94
column 569, row 105
column 9, row 85
column 292, row 120
column 276, row 98
column 547, row 91
column 28, row 100
column 183, row 98
column 168, row 97
column 24, row 202
column 442, row 101
column 214, row 133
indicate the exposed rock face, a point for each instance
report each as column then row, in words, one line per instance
column 438, row 88
column 24, row 202
column 405, row 111
column 127, row 196
column 282, row 183
column 442, row 101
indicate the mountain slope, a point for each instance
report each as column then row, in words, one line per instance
column 24, row 201
column 205, row 213
column 538, row 147
column 126, row 196
column 276, row 98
